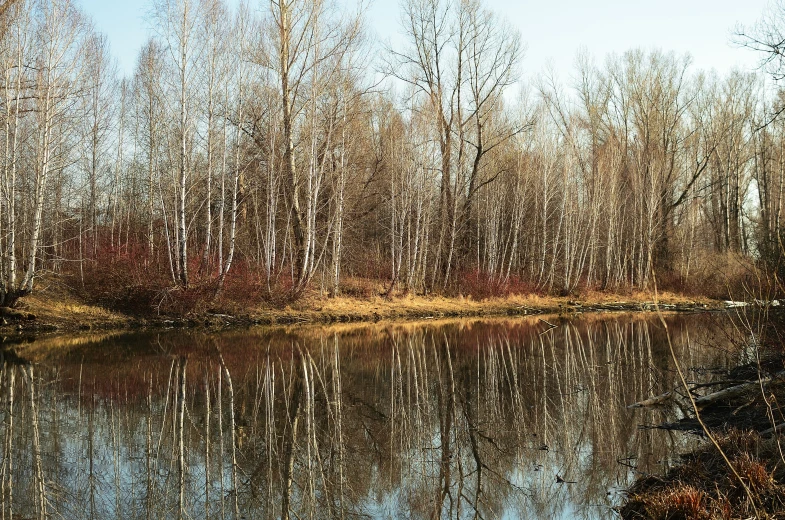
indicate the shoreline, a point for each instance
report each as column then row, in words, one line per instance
column 62, row 313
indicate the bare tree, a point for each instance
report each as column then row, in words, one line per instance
column 98, row 121
column 309, row 45
column 178, row 20
column 52, row 90
column 148, row 111
column 461, row 59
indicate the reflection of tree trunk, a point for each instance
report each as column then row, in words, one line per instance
column 337, row 396
column 180, row 443
column 472, row 427
column 233, row 430
column 149, row 457
column 271, row 436
column 116, row 458
column 314, row 456
column 445, row 397
column 309, row 497
column 207, row 444
column 91, row 455
column 8, row 461
column 39, row 470
column 219, row 399
column 295, row 391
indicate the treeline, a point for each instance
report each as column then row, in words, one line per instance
column 275, row 148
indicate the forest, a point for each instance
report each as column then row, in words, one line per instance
column 274, row 150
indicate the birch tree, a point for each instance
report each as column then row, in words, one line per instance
column 461, row 59
column 308, row 37
column 98, row 125
column 148, row 109
column 58, row 60
column 177, row 21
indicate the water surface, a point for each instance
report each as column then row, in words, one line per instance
column 460, row 419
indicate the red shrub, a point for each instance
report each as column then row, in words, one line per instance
column 481, row 285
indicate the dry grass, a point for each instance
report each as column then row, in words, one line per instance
column 592, row 297
column 374, row 308
column 56, row 305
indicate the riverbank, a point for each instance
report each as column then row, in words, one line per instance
column 54, row 309
column 739, row 471
column 678, row 492
column 704, row 487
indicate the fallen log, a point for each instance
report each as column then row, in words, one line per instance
column 733, row 391
column 551, row 325
column 653, row 401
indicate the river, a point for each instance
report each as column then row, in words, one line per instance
column 497, row 418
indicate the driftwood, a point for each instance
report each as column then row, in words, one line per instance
column 653, row 401
column 725, row 393
column 550, row 325
column 733, row 391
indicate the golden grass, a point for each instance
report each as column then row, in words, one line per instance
column 375, row 308
column 59, row 306
column 594, row 297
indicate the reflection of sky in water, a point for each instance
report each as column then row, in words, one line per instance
column 524, row 408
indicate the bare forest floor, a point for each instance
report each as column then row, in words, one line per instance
column 54, row 307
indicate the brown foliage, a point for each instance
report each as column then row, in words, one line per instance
column 480, row 285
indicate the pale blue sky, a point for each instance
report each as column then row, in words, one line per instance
column 553, row 30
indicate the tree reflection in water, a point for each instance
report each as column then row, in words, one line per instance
column 470, row 419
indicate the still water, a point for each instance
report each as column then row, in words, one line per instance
column 456, row 419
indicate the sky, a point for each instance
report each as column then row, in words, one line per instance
column 553, row 30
